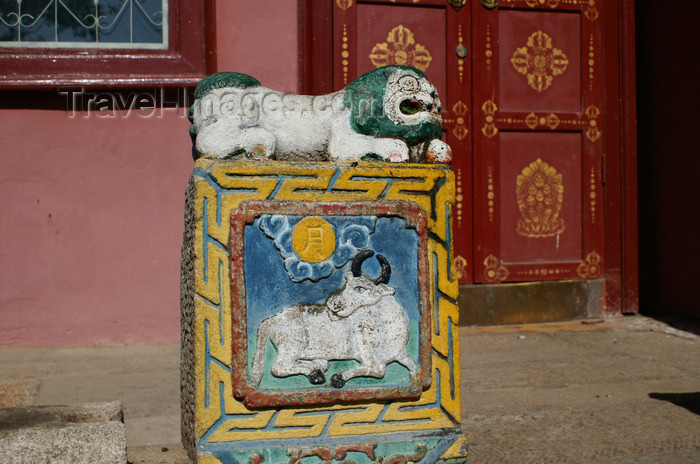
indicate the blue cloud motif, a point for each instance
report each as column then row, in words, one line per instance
column 352, row 234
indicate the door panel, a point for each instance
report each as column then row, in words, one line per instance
column 538, row 142
column 540, row 197
column 540, row 67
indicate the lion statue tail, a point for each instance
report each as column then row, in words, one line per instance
column 215, row 81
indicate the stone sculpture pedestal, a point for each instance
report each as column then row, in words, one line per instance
column 262, row 236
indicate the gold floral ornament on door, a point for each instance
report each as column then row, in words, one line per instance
column 539, row 61
column 401, row 48
column 540, row 194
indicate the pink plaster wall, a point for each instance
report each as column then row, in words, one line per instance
column 90, row 228
column 92, row 208
column 260, row 40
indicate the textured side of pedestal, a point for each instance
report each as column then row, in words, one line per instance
column 187, row 293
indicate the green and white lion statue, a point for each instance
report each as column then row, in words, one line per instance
column 391, row 114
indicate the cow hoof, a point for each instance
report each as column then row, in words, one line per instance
column 337, row 381
column 316, row 377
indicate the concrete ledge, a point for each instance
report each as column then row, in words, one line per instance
column 527, row 302
column 91, row 433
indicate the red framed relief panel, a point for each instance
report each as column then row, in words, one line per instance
column 538, row 141
column 329, row 302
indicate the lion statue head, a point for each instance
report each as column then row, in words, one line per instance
column 395, row 101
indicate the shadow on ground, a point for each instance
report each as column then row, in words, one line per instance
column 689, row 401
column 677, row 321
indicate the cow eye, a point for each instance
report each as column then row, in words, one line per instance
column 359, row 289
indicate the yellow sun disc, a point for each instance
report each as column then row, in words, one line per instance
column 313, row 239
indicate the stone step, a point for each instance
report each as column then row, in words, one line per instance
column 90, row 433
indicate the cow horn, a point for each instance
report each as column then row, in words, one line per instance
column 386, row 271
column 358, row 260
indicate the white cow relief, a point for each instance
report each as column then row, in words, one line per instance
column 363, row 322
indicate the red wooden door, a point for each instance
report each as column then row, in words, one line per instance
column 538, row 210
column 433, row 36
column 520, row 82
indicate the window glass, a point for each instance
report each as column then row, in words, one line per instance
column 139, row 24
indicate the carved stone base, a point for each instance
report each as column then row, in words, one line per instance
column 270, row 241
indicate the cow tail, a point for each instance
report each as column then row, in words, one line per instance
column 258, row 368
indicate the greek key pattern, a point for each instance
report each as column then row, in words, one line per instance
column 220, row 188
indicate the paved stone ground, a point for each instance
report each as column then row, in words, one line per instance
column 619, row 391
column 626, row 392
